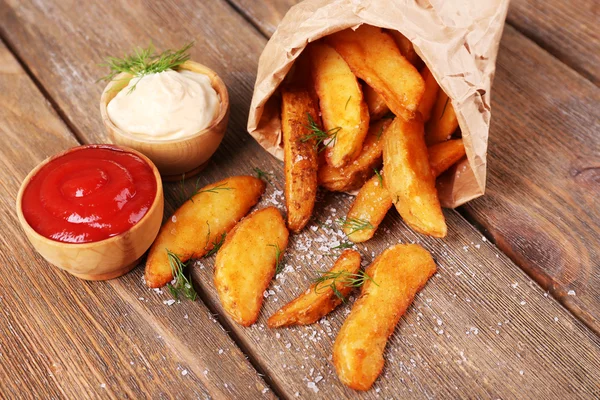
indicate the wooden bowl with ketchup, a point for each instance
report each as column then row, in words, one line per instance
column 92, row 210
column 187, row 155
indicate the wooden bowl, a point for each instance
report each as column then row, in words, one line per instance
column 104, row 259
column 177, row 156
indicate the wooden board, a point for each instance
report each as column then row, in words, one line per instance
column 480, row 328
column 568, row 30
column 61, row 337
column 544, row 155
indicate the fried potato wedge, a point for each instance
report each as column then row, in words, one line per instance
column 397, row 275
column 370, row 205
column 406, row 48
column 430, row 96
column 373, row 200
column 246, row 263
column 343, row 110
column 375, row 103
column 408, row 178
column 199, row 223
column 355, row 174
column 319, row 299
column 444, row 155
column 443, row 121
column 300, row 155
column 374, row 57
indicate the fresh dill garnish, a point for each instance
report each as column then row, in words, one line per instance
column 260, row 174
column 329, row 279
column 216, row 244
column 343, row 245
column 183, row 284
column 145, row 61
column 379, row 177
column 321, row 137
column 355, row 224
column 389, row 115
column 182, row 190
column 444, row 109
column 214, row 189
column 380, row 132
column 278, row 264
column 347, row 101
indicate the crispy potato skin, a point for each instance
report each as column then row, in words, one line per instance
column 400, row 272
column 371, row 204
column 408, row 178
column 341, row 103
column 375, row 103
column 185, row 233
column 430, row 96
column 246, row 262
column 355, row 174
column 373, row 200
column 444, row 155
column 374, row 57
column 311, row 306
column 443, row 121
column 406, row 48
column 300, row 158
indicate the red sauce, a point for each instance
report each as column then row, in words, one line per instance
column 89, row 194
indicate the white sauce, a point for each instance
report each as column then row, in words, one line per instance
column 166, row 105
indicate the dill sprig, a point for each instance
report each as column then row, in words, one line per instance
column 379, row 177
column 260, row 174
column 347, row 101
column 215, row 189
column 444, row 109
column 278, row 264
column 183, row 284
column 216, row 244
column 355, row 224
column 379, row 133
column 329, row 279
column 145, row 61
column 321, row 137
column 343, row 245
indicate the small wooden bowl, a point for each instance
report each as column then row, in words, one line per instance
column 104, row 259
column 177, row 156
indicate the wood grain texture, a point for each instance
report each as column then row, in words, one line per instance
column 567, row 29
column 61, row 337
column 481, row 327
column 544, row 163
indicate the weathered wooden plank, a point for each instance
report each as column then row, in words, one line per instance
column 65, row 338
column 544, row 155
column 568, row 30
column 477, row 290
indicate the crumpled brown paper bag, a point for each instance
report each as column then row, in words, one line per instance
column 458, row 40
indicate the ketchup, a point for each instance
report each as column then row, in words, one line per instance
column 89, row 194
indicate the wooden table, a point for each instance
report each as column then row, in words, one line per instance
column 514, row 311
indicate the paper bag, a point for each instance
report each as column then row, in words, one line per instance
column 458, row 40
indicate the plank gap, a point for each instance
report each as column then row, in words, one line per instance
column 40, row 87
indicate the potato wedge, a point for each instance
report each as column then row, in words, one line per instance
column 319, row 299
column 430, row 96
column 199, row 223
column 343, row 110
column 375, row 103
column 408, row 178
column 444, row 155
column 443, row 121
column 246, row 263
column 374, row 57
column 355, row 174
column 406, row 48
column 370, row 205
column 373, row 201
column 398, row 274
column 300, row 155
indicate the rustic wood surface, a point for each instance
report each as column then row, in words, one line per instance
column 481, row 327
column 538, row 207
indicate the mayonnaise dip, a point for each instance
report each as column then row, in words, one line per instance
column 165, row 105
